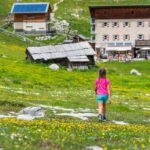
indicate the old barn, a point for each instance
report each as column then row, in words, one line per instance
column 31, row 18
column 74, row 55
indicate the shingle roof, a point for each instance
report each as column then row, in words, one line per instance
column 73, row 51
column 18, row 8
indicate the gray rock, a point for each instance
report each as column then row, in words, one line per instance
column 69, row 69
column 54, row 67
column 135, row 72
column 93, row 148
column 25, row 117
column 33, row 111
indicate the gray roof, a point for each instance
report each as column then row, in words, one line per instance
column 78, row 59
column 83, row 37
column 70, row 51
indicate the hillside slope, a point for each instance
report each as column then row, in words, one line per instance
column 26, row 84
column 75, row 12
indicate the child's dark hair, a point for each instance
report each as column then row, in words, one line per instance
column 102, row 73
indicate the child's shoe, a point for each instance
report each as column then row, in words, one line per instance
column 100, row 117
column 104, row 118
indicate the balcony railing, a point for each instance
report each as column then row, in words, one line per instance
column 92, row 20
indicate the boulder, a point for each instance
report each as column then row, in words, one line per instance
column 33, row 111
column 93, row 148
column 69, row 69
column 54, row 67
column 25, row 117
column 135, row 72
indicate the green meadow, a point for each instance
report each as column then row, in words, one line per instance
column 24, row 84
column 27, row 84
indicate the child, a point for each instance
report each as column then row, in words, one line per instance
column 102, row 90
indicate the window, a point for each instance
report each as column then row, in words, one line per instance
column 126, row 24
column 29, row 26
column 31, row 17
column 119, row 43
column 140, row 37
column 127, row 44
column 93, row 28
column 105, row 24
column 115, row 24
column 140, row 24
column 93, row 38
column 116, row 37
column 105, row 38
column 110, row 44
column 126, row 37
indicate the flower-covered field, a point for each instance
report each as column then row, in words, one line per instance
column 67, row 134
column 24, row 84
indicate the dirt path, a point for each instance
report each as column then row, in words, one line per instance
column 55, row 9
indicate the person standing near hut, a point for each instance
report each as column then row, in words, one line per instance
column 102, row 91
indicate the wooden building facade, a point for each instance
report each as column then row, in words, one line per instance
column 116, row 27
column 31, row 18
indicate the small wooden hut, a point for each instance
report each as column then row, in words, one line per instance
column 74, row 55
column 31, row 18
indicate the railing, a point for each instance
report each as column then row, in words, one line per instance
column 22, row 37
column 34, row 33
column 119, row 44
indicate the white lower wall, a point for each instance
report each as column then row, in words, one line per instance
column 18, row 25
column 30, row 26
column 41, row 26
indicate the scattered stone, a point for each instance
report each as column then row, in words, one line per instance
column 126, row 103
column 44, row 38
column 146, row 108
column 84, row 110
column 75, row 15
column 119, row 122
column 147, row 94
column 28, row 113
column 82, row 116
column 82, row 11
column 69, row 69
column 56, row 108
column 54, row 67
column 25, row 117
column 6, row 116
column 147, row 120
column 93, row 148
column 135, row 72
column 33, row 111
column 3, row 56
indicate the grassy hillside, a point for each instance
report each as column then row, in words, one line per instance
column 74, row 11
column 24, row 84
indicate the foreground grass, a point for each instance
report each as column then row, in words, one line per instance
column 71, row 135
column 24, row 84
